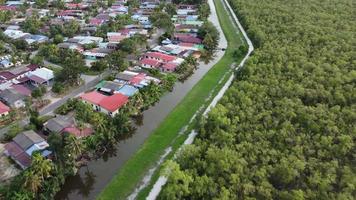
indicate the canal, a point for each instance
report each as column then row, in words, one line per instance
column 91, row 179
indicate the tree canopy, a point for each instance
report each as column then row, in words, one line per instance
column 286, row 127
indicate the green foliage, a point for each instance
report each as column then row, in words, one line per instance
column 204, row 11
column 210, row 36
column 41, row 3
column 39, row 92
column 73, row 66
column 99, row 65
column 58, row 87
column 161, row 20
column 67, row 107
column 186, row 68
column 58, row 38
column 32, row 24
column 168, row 81
column 20, row 44
column 170, row 9
column 285, row 128
column 5, row 16
column 117, row 61
column 12, row 132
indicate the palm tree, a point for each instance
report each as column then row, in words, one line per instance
column 74, row 145
column 32, row 181
column 40, row 166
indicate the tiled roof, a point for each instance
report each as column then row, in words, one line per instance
column 114, row 102
column 37, row 79
column 151, row 62
column 22, row 89
column 7, row 75
column 3, row 108
column 27, row 139
column 78, row 133
column 93, row 97
column 137, row 79
column 161, row 56
column 170, row 66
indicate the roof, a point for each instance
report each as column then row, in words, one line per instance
column 170, row 66
column 22, row 89
column 19, row 70
column 7, row 75
column 128, row 90
column 114, row 102
column 43, row 73
column 111, row 85
column 161, row 56
column 27, row 138
column 138, row 78
column 13, row 149
column 11, row 95
column 151, row 62
column 36, row 79
column 3, row 108
column 77, row 132
column 124, row 76
column 93, row 97
column 32, row 67
column 23, row 159
column 36, row 147
column 23, row 79
column 57, row 124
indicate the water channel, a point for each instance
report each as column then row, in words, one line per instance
column 91, row 179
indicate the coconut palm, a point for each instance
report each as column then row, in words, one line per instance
column 32, row 181
column 40, row 166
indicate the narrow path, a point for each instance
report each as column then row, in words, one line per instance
column 162, row 180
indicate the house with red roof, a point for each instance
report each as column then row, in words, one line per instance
column 161, row 57
column 149, row 63
column 7, row 8
column 66, row 124
column 4, row 109
column 107, row 104
column 96, row 22
column 187, row 38
column 168, row 67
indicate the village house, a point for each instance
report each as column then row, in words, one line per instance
column 12, row 98
column 41, row 76
column 112, row 87
column 187, row 38
column 20, row 149
column 4, row 109
column 161, row 57
column 109, row 105
column 71, row 46
column 138, row 80
column 66, row 124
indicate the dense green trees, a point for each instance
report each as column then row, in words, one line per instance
column 286, row 128
column 210, row 36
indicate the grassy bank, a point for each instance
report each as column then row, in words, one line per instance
column 135, row 168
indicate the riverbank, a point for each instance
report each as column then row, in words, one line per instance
column 134, row 169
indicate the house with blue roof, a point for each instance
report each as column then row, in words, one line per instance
column 128, row 90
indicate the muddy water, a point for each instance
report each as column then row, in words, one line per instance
column 91, row 179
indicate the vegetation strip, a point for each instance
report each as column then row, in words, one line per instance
column 131, row 173
column 284, row 130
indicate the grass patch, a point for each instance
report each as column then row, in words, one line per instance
column 135, row 168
